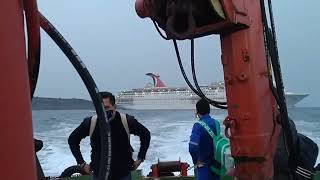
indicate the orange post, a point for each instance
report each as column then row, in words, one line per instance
column 184, row 169
column 251, row 106
column 155, row 171
column 252, row 110
column 17, row 149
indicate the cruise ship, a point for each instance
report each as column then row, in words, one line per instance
column 157, row 95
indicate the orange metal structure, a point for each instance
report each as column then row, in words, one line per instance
column 17, row 149
column 251, row 124
column 164, row 168
column 252, row 110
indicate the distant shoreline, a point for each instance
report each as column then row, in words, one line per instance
column 42, row 103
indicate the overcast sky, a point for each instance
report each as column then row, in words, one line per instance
column 119, row 48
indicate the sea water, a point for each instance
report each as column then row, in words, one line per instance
column 170, row 132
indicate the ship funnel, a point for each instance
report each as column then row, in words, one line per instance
column 156, row 80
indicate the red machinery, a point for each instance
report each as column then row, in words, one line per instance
column 17, row 149
column 168, row 167
column 252, row 108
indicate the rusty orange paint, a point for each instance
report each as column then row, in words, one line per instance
column 17, row 149
column 33, row 31
column 252, row 107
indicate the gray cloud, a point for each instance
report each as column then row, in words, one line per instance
column 119, row 48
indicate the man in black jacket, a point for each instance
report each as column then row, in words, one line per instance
column 121, row 127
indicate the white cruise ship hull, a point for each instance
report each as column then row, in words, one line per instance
column 157, row 107
column 154, row 104
column 158, row 96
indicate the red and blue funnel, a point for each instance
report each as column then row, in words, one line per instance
column 156, row 80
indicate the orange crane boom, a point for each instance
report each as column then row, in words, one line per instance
column 17, row 148
column 251, row 124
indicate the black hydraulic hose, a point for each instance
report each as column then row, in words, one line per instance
column 269, row 45
column 274, row 55
column 273, row 27
column 182, row 69
column 194, row 72
column 33, row 34
column 185, row 76
column 105, row 135
column 197, row 91
column 268, row 42
column 193, row 69
column 280, row 90
column 159, row 31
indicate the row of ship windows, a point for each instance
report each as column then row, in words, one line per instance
column 144, row 98
column 160, row 101
column 160, row 93
column 179, row 92
column 159, row 97
column 132, row 95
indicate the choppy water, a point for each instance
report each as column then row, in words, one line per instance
column 170, row 130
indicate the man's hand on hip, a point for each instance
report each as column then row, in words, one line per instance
column 86, row 168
